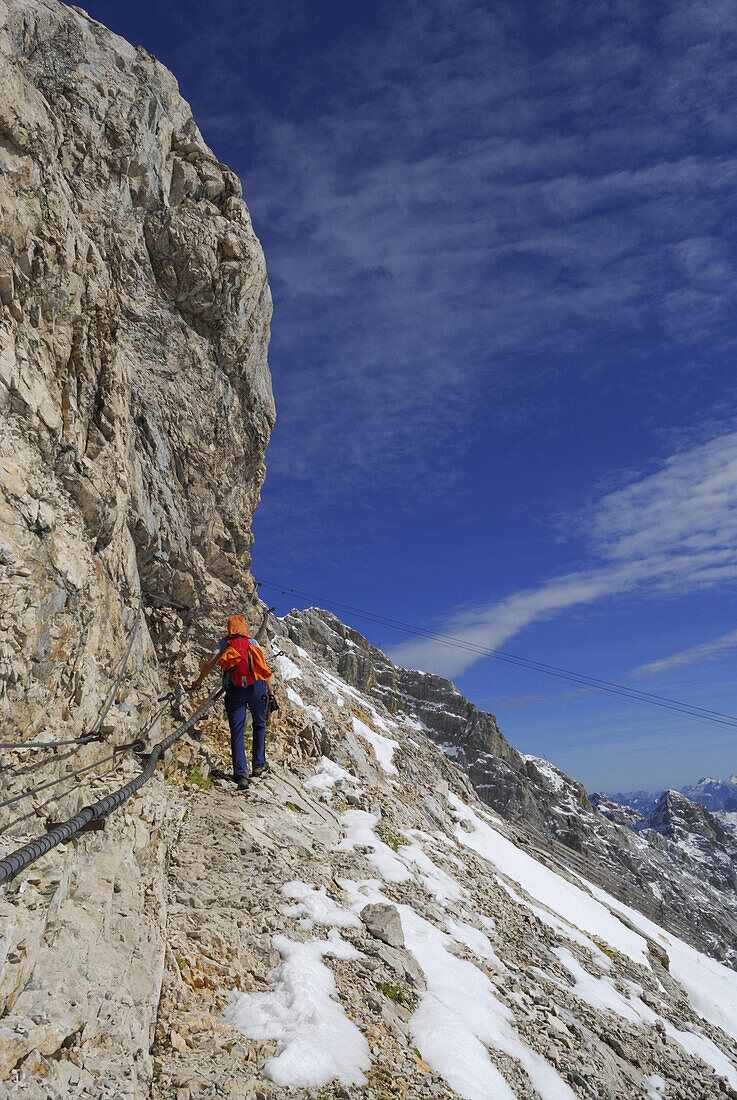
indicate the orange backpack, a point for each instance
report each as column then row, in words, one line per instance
column 245, row 662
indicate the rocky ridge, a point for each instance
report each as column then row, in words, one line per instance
column 719, row 796
column 695, row 897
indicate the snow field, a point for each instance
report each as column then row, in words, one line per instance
column 711, row 987
column 601, row 995
column 317, row 1043
column 459, row 1015
column 561, row 927
column 568, row 901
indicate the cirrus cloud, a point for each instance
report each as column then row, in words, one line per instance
column 674, row 530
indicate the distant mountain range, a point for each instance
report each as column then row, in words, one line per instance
column 718, row 795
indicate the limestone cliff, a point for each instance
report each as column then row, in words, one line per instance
column 135, row 397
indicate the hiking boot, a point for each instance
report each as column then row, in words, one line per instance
column 243, row 783
column 260, row 769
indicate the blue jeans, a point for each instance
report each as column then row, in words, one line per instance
column 237, row 701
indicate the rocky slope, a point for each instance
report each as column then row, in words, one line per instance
column 135, row 398
column 695, row 898
column 358, row 924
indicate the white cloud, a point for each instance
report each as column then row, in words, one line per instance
column 703, row 652
column 672, row 530
column 455, row 220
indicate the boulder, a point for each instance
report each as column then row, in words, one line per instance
column 384, row 922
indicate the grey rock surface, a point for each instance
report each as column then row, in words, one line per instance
column 384, row 922
column 135, row 397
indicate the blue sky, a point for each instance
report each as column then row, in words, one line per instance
column 501, row 243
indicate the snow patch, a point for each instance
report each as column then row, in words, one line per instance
column 383, row 746
column 327, row 774
column 474, row 939
column 294, row 697
column 315, row 907
column 546, row 769
column 287, row 669
column 711, row 987
column 316, row 1042
column 561, row 927
column 601, row 995
column 597, row 992
column 359, row 826
column 436, row 881
column 334, row 686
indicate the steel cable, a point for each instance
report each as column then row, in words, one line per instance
column 87, row 740
column 61, row 834
column 139, row 742
column 71, row 775
column 642, row 697
column 136, row 744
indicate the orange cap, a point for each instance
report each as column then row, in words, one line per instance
column 237, row 626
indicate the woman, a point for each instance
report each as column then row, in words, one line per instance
column 245, row 678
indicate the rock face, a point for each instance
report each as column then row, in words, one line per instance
column 135, row 398
column 135, row 409
column 696, row 897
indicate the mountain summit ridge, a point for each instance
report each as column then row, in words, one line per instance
column 696, row 900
